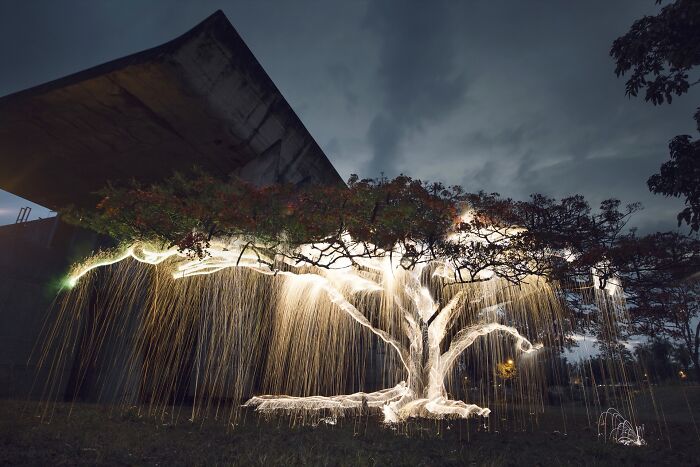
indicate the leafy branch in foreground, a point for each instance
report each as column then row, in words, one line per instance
column 659, row 53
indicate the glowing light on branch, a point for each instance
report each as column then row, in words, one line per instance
column 137, row 251
column 421, row 319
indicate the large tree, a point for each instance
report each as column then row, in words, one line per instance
column 660, row 53
column 437, row 243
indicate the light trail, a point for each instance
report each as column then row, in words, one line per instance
column 423, row 395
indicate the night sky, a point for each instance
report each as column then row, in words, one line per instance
column 512, row 96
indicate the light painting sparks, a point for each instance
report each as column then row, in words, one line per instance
column 408, row 301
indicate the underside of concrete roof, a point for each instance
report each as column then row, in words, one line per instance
column 201, row 100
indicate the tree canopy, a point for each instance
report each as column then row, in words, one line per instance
column 481, row 234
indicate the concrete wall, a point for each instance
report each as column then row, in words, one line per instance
column 34, row 258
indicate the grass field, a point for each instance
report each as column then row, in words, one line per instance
column 98, row 435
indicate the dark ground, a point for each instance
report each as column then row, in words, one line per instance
column 95, row 435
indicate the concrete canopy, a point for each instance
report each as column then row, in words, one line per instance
column 201, row 100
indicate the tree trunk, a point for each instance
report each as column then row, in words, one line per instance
column 418, row 363
column 425, row 380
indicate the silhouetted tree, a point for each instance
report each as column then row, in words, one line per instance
column 656, row 360
column 660, row 273
column 659, row 52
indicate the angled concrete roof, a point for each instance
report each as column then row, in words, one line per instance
column 201, row 99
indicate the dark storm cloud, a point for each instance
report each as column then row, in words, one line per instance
column 544, row 111
column 342, row 76
column 418, row 82
column 507, row 96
